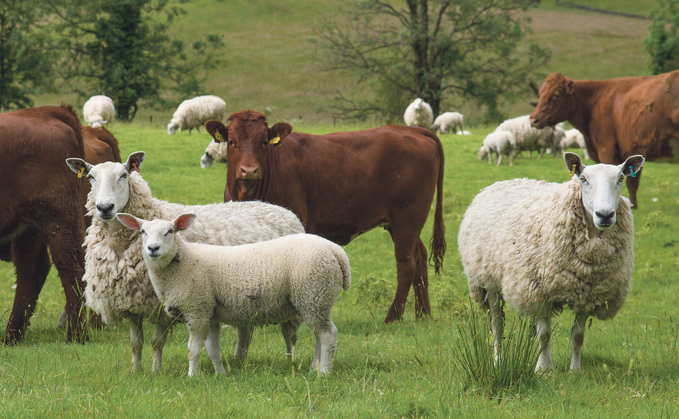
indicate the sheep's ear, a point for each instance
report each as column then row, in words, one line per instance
column 129, row 221
column 633, row 165
column 278, row 132
column 217, row 130
column 184, row 221
column 79, row 166
column 573, row 163
column 134, row 161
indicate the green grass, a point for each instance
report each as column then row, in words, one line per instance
column 630, row 364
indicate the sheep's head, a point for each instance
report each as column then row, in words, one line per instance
column 601, row 186
column 173, row 126
column 158, row 236
column 110, row 182
column 482, row 152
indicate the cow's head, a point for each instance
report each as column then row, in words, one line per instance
column 555, row 103
column 249, row 140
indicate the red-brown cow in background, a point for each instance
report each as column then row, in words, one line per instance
column 618, row 117
column 344, row 184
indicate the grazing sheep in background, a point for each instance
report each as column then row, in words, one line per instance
column 418, row 113
column 98, row 111
column 540, row 246
column 574, row 138
column 527, row 137
column 448, row 121
column 192, row 113
column 499, row 142
column 117, row 284
column 554, row 143
column 215, row 152
column 250, row 285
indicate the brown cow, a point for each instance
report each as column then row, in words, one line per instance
column 41, row 208
column 618, row 117
column 344, row 184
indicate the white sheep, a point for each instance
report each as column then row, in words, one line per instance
column 117, row 282
column 418, row 113
column 192, row 113
column 249, row 285
column 214, row 152
column 98, row 111
column 498, row 142
column 541, row 246
column 574, row 138
column 527, row 137
column 448, row 121
column 554, row 142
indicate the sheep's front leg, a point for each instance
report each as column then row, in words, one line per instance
column 577, row 338
column 499, row 157
column 197, row 338
column 243, row 343
column 497, row 322
column 160, row 332
column 136, row 340
column 544, row 331
column 213, row 348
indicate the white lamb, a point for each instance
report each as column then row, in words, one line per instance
column 192, row 113
column 574, row 138
column 98, row 111
column 418, row 113
column 541, row 246
column 448, row 121
column 498, row 142
column 250, row 285
column 117, row 282
column 527, row 137
column 215, row 152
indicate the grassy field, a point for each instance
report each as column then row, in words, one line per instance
column 406, row 369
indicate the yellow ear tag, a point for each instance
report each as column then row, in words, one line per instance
column 218, row 137
column 275, row 140
column 81, row 173
column 572, row 171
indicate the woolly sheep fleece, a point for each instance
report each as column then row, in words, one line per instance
column 192, row 113
column 117, row 281
column 528, row 239
column 527, row 137
column 422, row 117
column 98, row 110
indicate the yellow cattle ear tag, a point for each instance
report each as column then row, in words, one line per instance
column 218, row 137
column 572, row 171
column 81, row 173
column 275, row 140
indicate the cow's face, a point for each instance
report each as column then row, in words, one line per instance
column 555, row 102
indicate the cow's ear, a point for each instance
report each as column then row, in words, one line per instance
column 570, row 86
column 278, row 132
column 217, row 130
column 79, row 166
column 573, row 163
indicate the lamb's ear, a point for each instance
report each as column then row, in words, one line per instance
column 633, row 165
column 129, row 221
column 278, row 132
column 134, row 161
column 79, row 166
column 184, row 221
column 217, row 130
column 573, row 163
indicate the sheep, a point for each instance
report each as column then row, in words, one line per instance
column 249, row 285
column 554, row 142
column 499, row 142
column 418, row 113
column 98, row 111
column 527, row 137
column 214, row 152
column 117, row 285
column 574, row 138
column 540, row 246
column 448, row 121
column 192, row 113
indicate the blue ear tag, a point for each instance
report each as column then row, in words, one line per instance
column 631, row 171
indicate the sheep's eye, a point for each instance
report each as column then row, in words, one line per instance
column 143, row 233
column 583, row 179
column 169, row 232
column 124, row 176
column 621, row 178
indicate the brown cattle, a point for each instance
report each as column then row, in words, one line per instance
column 41, row 208
column 618, row 117
column 344, row 184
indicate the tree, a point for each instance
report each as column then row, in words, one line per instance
column 121, row 49
column 431, row 49
column 662, row 43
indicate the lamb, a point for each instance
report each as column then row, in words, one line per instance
column 98, row 111
column 192, row 113
column 448, row 121
column 540, row 246
column 117, row 284
column 418, row 113
column 499, row 142
column 527, row 137
column 574, row 138
column 249, row 285
column 214, row 152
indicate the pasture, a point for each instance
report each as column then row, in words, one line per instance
column 404, row 369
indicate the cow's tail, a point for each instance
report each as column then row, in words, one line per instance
column 437, row 247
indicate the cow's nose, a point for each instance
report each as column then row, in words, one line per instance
column 249, row 172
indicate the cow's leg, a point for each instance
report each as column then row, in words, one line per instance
column 421, row 281
column 632, row 186
column 406, row 266
column 32, row 263
column 577, row 339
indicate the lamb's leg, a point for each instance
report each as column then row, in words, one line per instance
column 512, row 154
column 136, row 340
column 213, row 348
column 499, row 158
column 158, row 339
column 197, row 336
column 497, row 322
column 490, row 157
column 577, row 338
column 243, row 343
column 326, row 343
column 289, row 330
column 544, row 331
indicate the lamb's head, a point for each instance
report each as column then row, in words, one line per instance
column 482, row 153
column 173, row 126
column 601, row 186
column 158, row 236
column 110, row 182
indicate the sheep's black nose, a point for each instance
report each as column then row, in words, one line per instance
column 605, row 216
column 153, row 248
column 105, row 209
